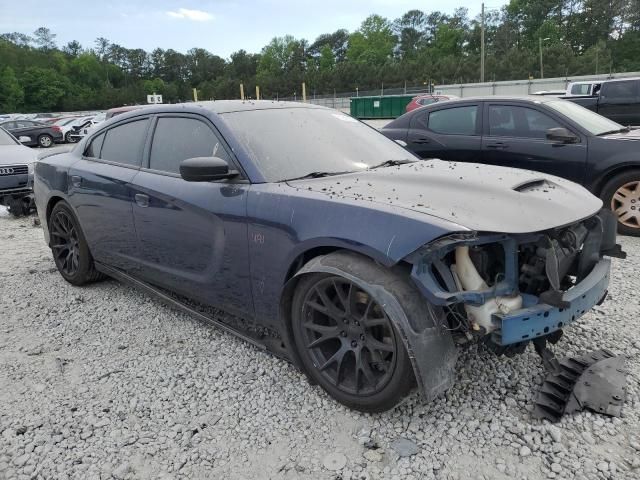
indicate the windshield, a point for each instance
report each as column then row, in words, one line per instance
column 590, row 121
column 5, row 138
column 294, row 142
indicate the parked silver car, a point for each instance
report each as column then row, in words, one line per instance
column 16, row 174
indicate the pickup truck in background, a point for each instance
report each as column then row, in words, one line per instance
column 618, row 100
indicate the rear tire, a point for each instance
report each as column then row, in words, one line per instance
column 621, row 194
column 69, row 247
column 69, row 139
column 347, row 342
column 17, row 208
column 45, row 140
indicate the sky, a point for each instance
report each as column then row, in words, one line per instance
column 220, row 26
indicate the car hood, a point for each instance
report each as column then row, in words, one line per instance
column 479, row 197
column 12, row 154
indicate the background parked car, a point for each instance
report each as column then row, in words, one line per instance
column 16, row 174
column 537, row 133
column 32, row 133
column 81, row 129
column 618, row 100
column 426, row 99
column 68, row 127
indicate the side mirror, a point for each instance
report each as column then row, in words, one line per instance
column 24, row 139
column 205, row 169
column 561, row 135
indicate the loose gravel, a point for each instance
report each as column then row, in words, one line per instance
column 104, row 382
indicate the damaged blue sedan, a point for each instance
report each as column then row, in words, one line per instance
column 311, row 235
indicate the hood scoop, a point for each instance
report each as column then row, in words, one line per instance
column 538, row 184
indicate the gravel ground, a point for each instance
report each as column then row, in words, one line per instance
column 105, row 382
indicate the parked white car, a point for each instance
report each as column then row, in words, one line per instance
column 69, row 126
column 78, row 133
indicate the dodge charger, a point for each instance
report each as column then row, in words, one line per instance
column 315, row 237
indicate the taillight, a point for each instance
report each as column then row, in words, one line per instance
column 55, row 128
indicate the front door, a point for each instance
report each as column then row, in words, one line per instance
column 100, row 192
column 515, row 136
column 192, row 235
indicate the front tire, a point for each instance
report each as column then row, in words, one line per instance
column 621, row 194
column 69, row 247
column 45, row 141
column 69, row 139
column 347, row 342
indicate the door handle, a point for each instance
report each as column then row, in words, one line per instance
column 497, row 145
column 142, row 199
column 76, row 180
column 421, row 140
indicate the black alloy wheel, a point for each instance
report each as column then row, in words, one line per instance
column 65, row 243
column 69, row 247
column 348, row 336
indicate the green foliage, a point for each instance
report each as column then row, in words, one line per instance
column 45, row 88
column 11, row 93
column 373, row 43
column 579, row 37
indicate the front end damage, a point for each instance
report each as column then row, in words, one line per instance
column 507, row 290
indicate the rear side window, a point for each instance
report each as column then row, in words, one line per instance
column 620, row 90
column 123, row 144
column 177, row 138
column 427, row 101
column 580, row 89
column 454, row 121
column 93, row 150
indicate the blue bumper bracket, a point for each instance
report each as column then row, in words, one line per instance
column 539, row 319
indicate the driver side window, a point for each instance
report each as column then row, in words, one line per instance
column 177, row 138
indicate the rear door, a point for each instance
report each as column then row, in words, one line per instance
column 620, row 101
column 447, row 132
column 192, row 235
column 515, row 136
column 100, row 191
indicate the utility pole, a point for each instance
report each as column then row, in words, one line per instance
column 482, row 45
column 540, row 40
column 541, row 67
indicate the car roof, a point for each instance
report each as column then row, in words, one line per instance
column 220, row 106
column 126, row 108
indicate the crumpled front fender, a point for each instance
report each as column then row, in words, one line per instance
column 430, row 346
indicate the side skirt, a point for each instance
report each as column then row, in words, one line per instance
column 146, row 288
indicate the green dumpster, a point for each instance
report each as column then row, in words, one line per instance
column 388, row 106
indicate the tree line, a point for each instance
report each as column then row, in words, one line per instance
column 578, row 37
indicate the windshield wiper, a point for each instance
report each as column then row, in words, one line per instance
column 392, row 163
column 617, row 130
column 315, row 175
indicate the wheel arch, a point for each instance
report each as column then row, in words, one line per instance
column 598, row 186
column 50, row 204
column 431, row 349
